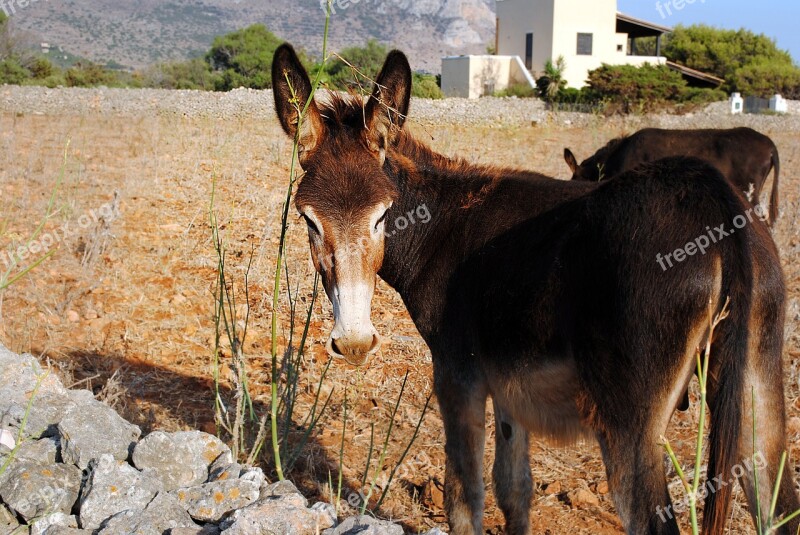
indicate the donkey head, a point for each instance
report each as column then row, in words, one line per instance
column 344, row 195
column 578, row 172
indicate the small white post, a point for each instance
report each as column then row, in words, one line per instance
column 737, row 104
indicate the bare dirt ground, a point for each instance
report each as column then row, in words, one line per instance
column 134, row 323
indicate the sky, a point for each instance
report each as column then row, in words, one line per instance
column 778, row 19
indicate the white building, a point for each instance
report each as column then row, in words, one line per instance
column 586, row 33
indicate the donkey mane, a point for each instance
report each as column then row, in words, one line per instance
column 607, row 149
column 413, row 161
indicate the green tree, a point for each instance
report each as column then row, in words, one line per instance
column 552, row 82
column 627, row 88
column 426, row 86
column 191, row 74
column 244, row 58
column 368, row 59
column 11, row 72
column 748, row 62
column 89, row 74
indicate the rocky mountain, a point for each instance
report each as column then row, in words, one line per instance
column 135, row 33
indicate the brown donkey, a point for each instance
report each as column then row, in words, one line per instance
column 744, row 156
column 545, row 295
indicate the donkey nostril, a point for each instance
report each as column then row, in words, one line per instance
column 336, row 347
column 376, row 342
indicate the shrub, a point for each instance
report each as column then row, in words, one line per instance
column 633, row 88
column 192, row 74
column 11, row 72
column 552, row 82
column 748, row 62
column 426, row 86
column 244, row 58
column 42, row 68
column 368, row 59
column 517, row 90
column 89, row 74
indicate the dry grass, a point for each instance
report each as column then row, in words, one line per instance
column 136, row 322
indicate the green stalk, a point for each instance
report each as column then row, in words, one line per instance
column 755, row 470
column 6, row 280
column 341, row 454
column 777, row 489
column 282, row 251
column 382, row 457
column 405, row 452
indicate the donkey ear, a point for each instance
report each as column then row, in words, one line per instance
column 387, row 108
column 291, row 88
column 571, row 161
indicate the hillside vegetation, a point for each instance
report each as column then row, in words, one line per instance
column 748, row 62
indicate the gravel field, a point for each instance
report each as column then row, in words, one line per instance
column 257, row 104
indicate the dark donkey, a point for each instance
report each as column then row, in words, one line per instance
column 743, row 155
column 545, row 295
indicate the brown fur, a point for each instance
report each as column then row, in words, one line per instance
column 743, row 155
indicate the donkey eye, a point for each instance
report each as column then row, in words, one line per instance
column 311, row 226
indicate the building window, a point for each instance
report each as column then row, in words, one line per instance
column 620, row 48
column 529, row 51
column 585, row 44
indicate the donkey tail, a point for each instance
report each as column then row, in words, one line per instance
column 774, row 200
column 730, row 350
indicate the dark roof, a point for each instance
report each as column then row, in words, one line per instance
column 704, row 79
column 638, row 27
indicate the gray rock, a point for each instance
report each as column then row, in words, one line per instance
column 208, row 529
column 221, row 470
column 112, row 487
column 280, row 488
column 42, row 525
column 326, row 510
column 61, row 530
column 125, row 523
column 44, row 451
column 279, row 515
column 206, row 446
column 160, row 515
column 93, row 430
column 46, row 411
column 181, row 459
column 32, row 489
column 254, row 474
column 8, row 522
column 364, row 525
column 211, row 501
column 19, row 375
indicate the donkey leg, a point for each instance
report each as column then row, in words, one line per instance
column 636, row 479
column 764, row 396
column 463, row 408
column 512, row 472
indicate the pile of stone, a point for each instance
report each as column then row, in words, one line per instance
column 71, row 465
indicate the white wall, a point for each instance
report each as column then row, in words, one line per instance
column 465, row 76
column 555, row 25
column 599, row 18
column 516, row 18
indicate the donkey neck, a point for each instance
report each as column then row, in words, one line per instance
column 467, row 205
